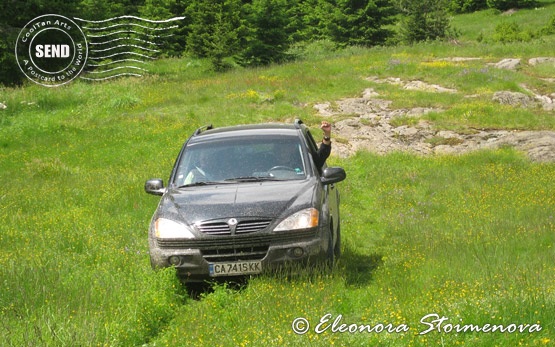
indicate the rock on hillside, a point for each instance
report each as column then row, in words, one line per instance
column 368, row 123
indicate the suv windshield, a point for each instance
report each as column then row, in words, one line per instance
column 242, row 159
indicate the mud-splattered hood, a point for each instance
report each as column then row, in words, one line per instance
column 273, row 200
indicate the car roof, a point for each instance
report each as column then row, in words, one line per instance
column 244, row 130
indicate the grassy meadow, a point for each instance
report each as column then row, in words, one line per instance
column 470, row 238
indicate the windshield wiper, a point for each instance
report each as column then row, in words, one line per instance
column 252, row 179
column 202, row 183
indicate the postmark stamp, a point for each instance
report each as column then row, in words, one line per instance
column 51, row 50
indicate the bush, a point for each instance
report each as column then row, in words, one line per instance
column 467, row 6
column 504, row 5
column 511, row 32
column 549, row 28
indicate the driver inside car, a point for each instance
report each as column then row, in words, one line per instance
column 200, row 172
column 290, row 155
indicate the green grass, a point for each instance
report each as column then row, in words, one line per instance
column 416, row 244
column 483, row 23
column 467, row 237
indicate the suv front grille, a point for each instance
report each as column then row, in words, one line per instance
column 234, row 254
column 243, row 227
column 251, row 226
column 218, row 228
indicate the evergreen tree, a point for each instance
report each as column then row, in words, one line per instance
column 309, row 20
column 268, row 40
column 215, row 30
column 99, row 9
column 172, row 41
column 424, row 20
column 10, row 75
column 156, row 9
column 360, row 22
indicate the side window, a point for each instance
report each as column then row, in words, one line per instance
column 313, row 148
column 311, row 143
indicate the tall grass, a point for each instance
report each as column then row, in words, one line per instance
column 470, row 237
column 423, row 236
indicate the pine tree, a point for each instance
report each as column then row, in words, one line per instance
column 216, row 29
column 268, row 40
column 424, row 20
column 360, row 22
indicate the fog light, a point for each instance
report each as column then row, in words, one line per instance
column 174, row 260
column 297, row 252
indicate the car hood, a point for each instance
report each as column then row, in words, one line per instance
column 259, row 199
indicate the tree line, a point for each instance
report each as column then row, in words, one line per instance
column 255, row 32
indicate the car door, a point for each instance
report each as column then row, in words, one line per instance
column 330, row 192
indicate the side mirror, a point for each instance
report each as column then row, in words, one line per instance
column 155, row 186
column 333, row 175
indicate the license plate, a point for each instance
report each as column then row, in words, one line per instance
column 235, row 268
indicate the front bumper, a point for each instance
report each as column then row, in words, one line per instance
column 192, row 258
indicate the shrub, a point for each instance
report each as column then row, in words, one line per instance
column 467, row 6
column 511, row 32
column 504, row 5
column 549, row 28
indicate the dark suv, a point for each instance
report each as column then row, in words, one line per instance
column 244, row 200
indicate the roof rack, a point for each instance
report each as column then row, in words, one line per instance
column 203, row 128
column 298, row 123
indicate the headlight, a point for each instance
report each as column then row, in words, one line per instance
column 304, row 219
column 168, row 229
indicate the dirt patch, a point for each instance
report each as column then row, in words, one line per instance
column 368, row 123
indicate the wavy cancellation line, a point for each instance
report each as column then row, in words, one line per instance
column 117, row 62
column 128, row 32
column 123, row 46
column 129, row 25
column 119, row 54
column 131, row 17
column 124, row 39
column 133, row 44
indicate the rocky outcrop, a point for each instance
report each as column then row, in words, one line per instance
column 368, row 123
column 541, row 60
column 513, row 99
column 508, row 64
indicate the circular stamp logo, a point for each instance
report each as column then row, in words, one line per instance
column 51, row 50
